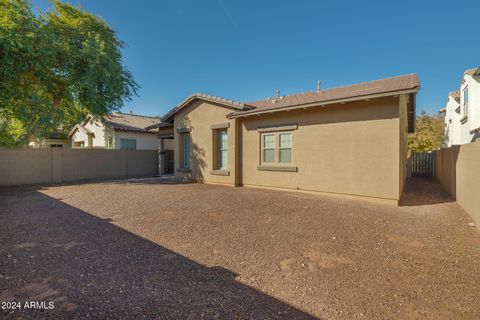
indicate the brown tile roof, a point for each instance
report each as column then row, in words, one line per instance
column 231, row 103
column 473, row 72
column 364, row 89
column 131, row 122
column 455, row 95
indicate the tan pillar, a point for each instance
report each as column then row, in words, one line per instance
column 161, row 157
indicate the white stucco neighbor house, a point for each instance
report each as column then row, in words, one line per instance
column 462, row 111
column 452, row 119
column 117, row 131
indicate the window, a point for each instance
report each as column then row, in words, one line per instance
column 285, row 148
column 465, row 101
column 268, row 148
column 186, row 150
column 277, row 152
column 129, row 144
column 222, row 149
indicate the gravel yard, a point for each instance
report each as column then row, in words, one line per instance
column 150, row 249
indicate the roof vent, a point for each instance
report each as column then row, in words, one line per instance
column 318, row 86
column 277, row 97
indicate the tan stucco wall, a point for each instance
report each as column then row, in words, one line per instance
column 198, row 118
column 168, row 143
column 403, row 129
column 349, row 149
column 353, row 149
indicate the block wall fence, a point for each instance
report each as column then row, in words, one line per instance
column 457, row 169
column 57, row 165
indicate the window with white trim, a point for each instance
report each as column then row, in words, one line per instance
column 465, row 101
column 276, row 148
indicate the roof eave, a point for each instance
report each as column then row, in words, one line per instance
column 168, row 117
column 135, row 130
column 77, row 127
column 476, row 130
column 159, row 126
column 72, row 132
column 324, row 103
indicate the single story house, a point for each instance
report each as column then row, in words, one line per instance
column 349, row 141
column 119, row 131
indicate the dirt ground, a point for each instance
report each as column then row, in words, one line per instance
column 147, row 249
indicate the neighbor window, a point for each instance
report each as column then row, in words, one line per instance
column 222, row 149
column 129, row 144
column 277, row 148
column 465, row 101
column 186, row 150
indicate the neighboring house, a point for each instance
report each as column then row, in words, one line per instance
column 118, row 131
column 55, row 140
column 452, row 119
column 462, row 111
column 349, row 140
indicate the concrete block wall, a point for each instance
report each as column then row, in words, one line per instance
column 56, row 165
column 467, row 175
column 25, row 166
column 457, row 169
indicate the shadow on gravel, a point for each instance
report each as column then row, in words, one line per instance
column 88, row 267
column 139, row 180
column 423, row 191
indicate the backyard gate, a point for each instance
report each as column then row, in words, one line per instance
column 423, row 164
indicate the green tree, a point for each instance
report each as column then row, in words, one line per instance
column 56, row 68
column 429, row 133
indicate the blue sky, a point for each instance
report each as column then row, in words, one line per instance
column 246, row 50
